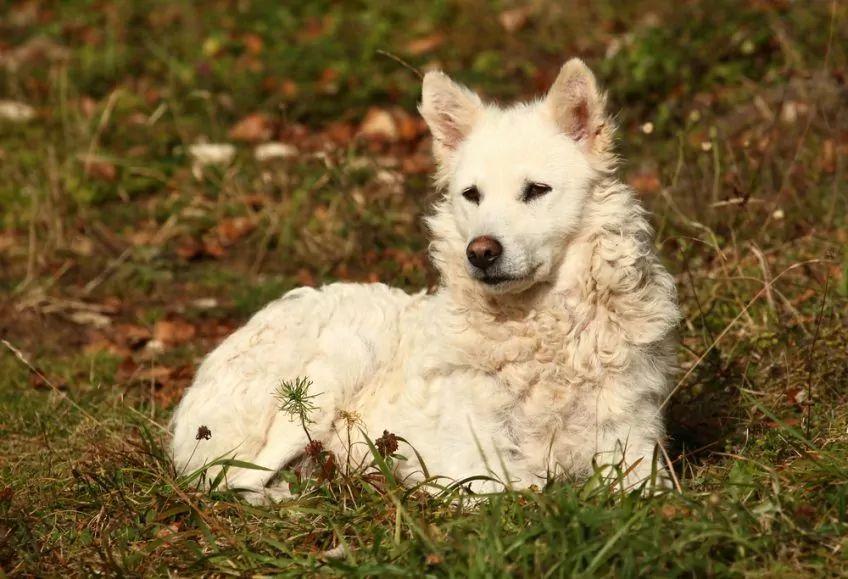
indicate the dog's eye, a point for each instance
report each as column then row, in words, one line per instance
column 534, row 190
column 472, row 194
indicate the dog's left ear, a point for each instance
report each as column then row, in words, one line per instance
column 578, row 107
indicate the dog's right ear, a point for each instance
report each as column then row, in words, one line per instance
column 450, row 111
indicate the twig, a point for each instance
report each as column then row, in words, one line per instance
column 107, row 271
column 104, row 120
column 20, row 356
column 401, row 62
column 670, row 468
column 766, row 275
column 809, row 401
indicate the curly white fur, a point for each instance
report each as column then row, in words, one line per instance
column 563, row 365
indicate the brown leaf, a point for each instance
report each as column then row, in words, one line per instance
column 252, row 128
column 156, row 374
column 100, row 343
column 289, row 88
column 213, row 248
column 425, row 44
column 433, row 559
column 379, row 125
column 88, row 106
column 7, row 240
column 127, row 368
column 305, row 277
column 409, row 128
column 827, row 159
column 645, row 182
column 132, row 335
column 514, row 19
column 796, row 396
column 101, row 170
column 189, row 248
column 232, row 229
column 253, row 43
column 339, row 132
column 173, row 332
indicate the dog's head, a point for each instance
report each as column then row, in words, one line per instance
column 515, row 179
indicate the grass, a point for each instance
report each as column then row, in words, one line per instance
column 120, row 267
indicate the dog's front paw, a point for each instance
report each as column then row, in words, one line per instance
column 266, row 496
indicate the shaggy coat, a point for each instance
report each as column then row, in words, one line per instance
column 552, row 362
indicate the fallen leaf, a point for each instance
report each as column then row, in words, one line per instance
column 645, row 182
column 409, row 128
column 827, row 159
column 339, row 132
column 305, row 277
column 98, row 343
column 289, row 88
column 514, row 19
column 796, row 396
column 36, row 49
column 132, row 335
column 7, row 240
column 16, row 112
column 173, row 332
column 253, row 43
column 101, row 170
column 205, row 154
column 156, row 374
column 213, row 248
column 433, row 559
column 425, row 44
column 379, row 124
column 90, row 318
column 270, row 151
column 232, row 229
column 189, row 249
column 252, row 128
column 204, row 303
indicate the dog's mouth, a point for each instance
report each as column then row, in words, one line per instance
column 494, row 280
column 507, row 283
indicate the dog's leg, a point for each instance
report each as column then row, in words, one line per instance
column 284, row 442
column 287, row 438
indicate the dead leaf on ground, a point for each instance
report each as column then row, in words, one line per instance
column 189, row 249
column 7, row 240
column 514, row 19
column 379, row 125
column 173, row 332
column 90, row 318
column 305, row 277
column 132, row 335
column 252, row 128
column 253, row 43
column 98, row 342
column 827, row 159
column 232, row 229
column 100, row 170
column 339, row 132
column 425, row 44
column 16, row 112
column 645, row 182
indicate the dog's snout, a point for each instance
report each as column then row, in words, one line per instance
column 483, row 251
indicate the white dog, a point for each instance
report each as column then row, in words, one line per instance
column 547, row 349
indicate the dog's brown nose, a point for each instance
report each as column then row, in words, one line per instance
column 483, row 251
